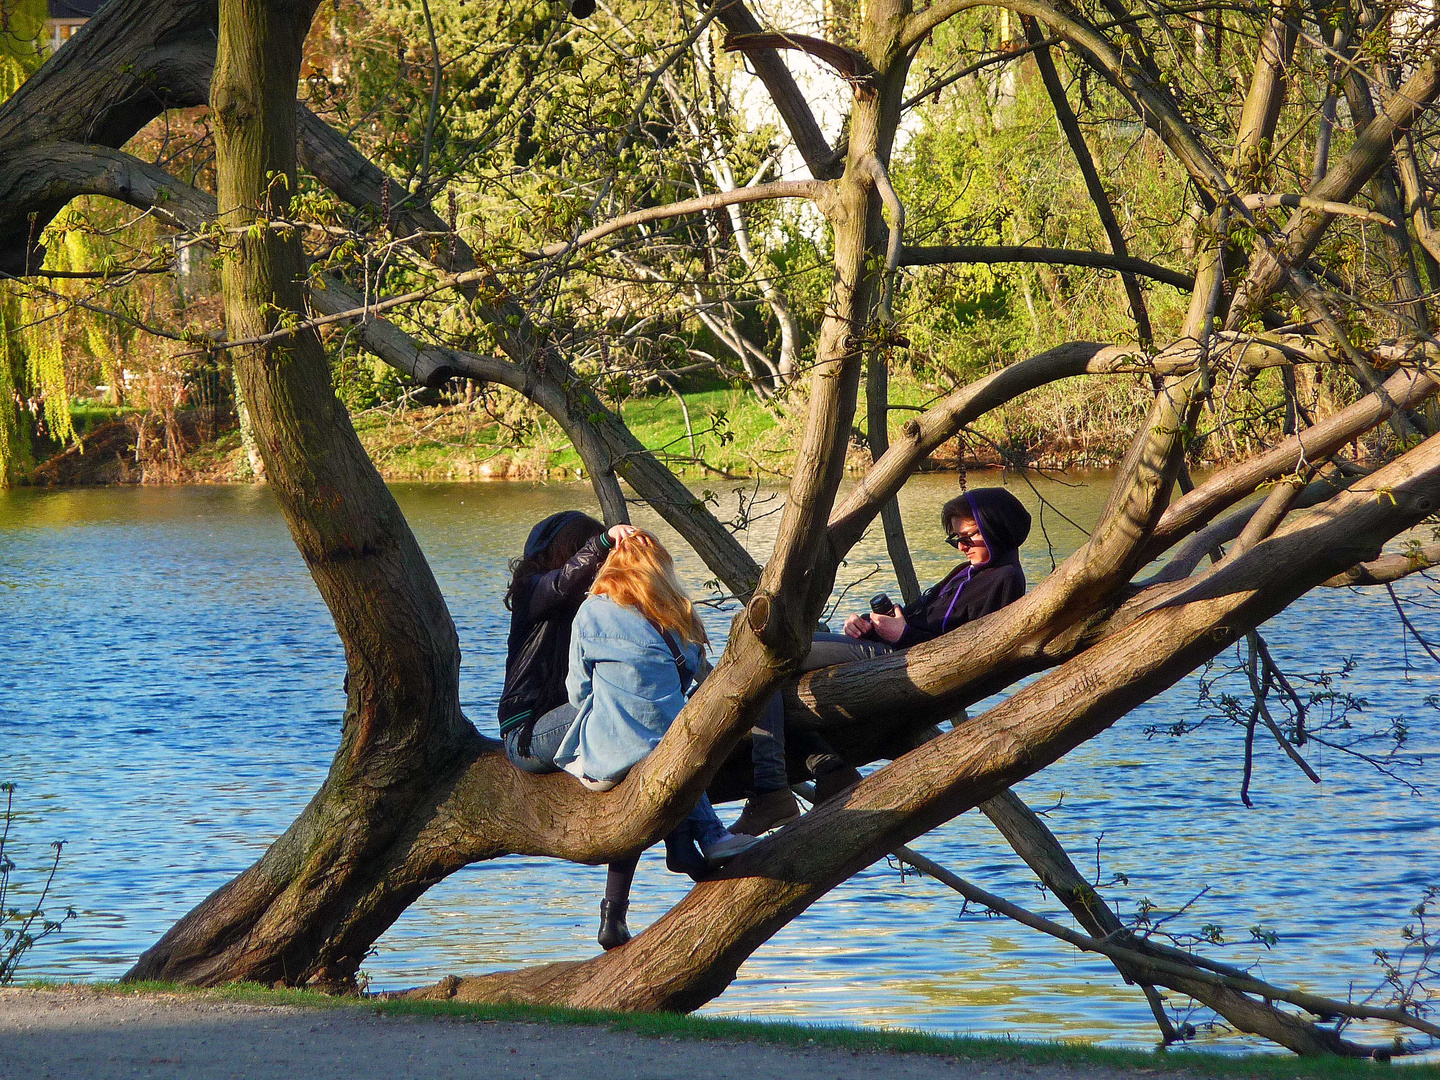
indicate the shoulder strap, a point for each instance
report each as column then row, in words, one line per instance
column 681, row 668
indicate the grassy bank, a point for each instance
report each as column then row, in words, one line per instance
column 803, row 1036
column 722, row 432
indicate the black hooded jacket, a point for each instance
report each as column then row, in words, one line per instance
column 538, row 650
column 1004, row 523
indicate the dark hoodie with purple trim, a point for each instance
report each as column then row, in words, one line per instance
column 968, row 592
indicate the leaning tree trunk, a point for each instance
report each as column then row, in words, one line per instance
column 403, row 723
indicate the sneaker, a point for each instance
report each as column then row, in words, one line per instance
column 727, row 847
column 765, row 811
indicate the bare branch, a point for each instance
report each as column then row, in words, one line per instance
column 852, row 66
column 1322, row 206
column 1169, row 966
column 1387, row 568
column 822, row 160
column 935, row 256
column 814, row 190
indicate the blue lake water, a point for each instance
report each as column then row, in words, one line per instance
column 170, row 698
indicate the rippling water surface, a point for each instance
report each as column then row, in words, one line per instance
column 170, row 697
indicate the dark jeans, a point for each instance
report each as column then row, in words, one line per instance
column 545, row 739
column 702, row 824
column 768, row 737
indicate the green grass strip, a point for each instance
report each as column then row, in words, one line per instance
column 798, row 1036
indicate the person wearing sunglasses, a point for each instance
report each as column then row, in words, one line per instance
column 987, row 526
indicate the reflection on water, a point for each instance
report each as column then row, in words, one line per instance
column 171, row 695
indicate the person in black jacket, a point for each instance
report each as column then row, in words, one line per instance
column 548, row 583
column 988, row 525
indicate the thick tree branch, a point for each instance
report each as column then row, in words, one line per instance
column 135, row 58
column 774, row 882
column 957, row 253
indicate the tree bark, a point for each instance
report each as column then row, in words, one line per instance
column 402, row 719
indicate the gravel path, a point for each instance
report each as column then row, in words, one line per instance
column 75, row 1033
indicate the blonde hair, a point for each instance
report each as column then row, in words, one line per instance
column 641, row 574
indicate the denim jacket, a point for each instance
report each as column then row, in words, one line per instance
column 625, row 688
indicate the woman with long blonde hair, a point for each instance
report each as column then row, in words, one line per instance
column 636, row 648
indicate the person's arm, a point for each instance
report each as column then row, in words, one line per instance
column 578, row 681
column 555, row 590
column 702, row 669
column 913, row 635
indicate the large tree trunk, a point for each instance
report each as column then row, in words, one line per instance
column 403, row 723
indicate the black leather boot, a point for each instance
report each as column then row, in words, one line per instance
column 613, row 931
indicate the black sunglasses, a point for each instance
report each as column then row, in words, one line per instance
column 959, row 540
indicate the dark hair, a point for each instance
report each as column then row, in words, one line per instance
column 574, row 534
column 956, row 507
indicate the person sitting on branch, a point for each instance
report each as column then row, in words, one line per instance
column 988, row 525
column 637, row 647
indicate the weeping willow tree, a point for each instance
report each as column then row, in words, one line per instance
column 38, row 326
column 22, row 44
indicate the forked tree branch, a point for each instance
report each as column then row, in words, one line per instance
column 790, row 101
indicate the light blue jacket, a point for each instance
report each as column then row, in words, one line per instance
column 625, row 688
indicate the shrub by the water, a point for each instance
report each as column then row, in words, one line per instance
column 22, row 927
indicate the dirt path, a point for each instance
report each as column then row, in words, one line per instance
column 79, row 1033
